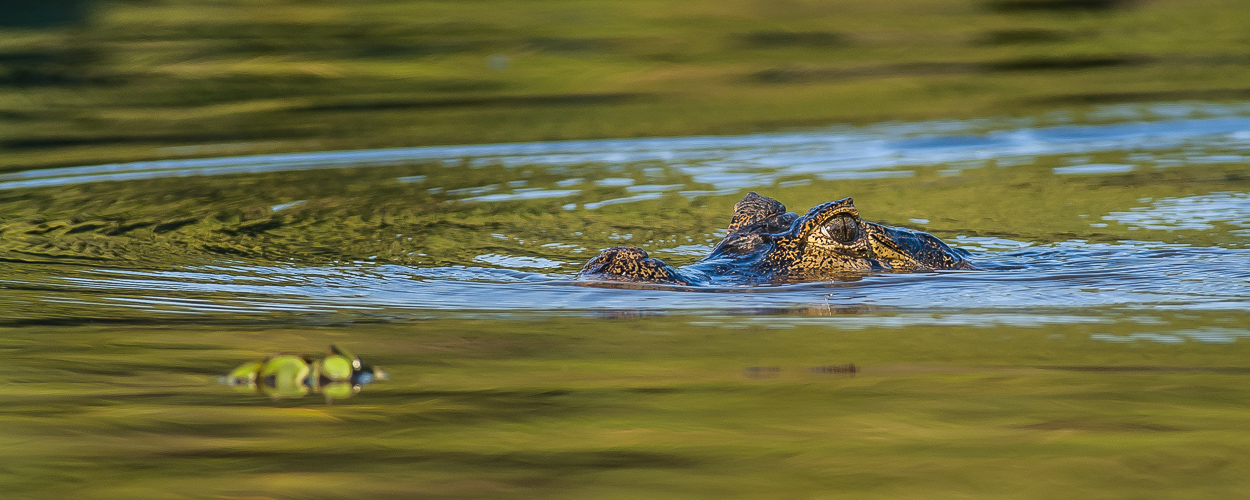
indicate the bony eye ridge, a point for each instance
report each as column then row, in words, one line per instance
column 842, row 229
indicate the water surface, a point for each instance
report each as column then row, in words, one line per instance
column 1100, row 348
column 1145, row 213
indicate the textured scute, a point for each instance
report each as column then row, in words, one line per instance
column 630, row 264
column 754, row 209
column 766, row 244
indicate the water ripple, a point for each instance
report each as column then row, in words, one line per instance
column 489, row 262
column 725, row 162
column 1070, row 275
column 1193, row 213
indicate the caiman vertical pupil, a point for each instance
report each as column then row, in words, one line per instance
column 842, row 229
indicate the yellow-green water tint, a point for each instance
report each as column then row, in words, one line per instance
column 440, row 212
column 1146, row 213
column 144, row 80
column 666, row 407
column 1102, row 353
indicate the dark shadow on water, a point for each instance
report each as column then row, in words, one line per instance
column 1023, row 36
column 1057, row 5
column 808, row 39
column 173, row 225
column 1090, row 424
column 44, row 13
column 556, row 44
column 471, row 102
column 54, row 258
column 1143, row 96
column 1064, row 63
column 53, row 67
column 175, row 138
column 572, row 461
column 1067, row 63
column 802, row 74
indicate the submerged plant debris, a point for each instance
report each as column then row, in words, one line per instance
column 336, row 375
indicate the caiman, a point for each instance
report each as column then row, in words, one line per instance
column 765, row 244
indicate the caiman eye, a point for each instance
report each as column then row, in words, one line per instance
column 842, row 229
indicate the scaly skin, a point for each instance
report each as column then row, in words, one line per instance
column 766, row 244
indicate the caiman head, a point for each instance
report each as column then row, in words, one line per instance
column 765, row 243
column 769, row 244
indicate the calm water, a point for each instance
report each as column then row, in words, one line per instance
column 1100, row 349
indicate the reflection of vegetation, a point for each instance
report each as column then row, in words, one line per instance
column 660, row 406
column 356, row 214
column 44, row 13
column 337, row 375
column 300, row 75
